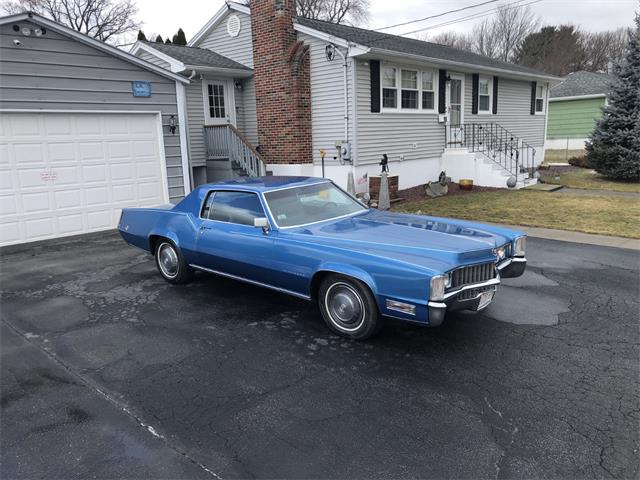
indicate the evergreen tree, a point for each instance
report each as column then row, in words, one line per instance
column 167, row 41
column 614, row 146
column 159, row 39
column 180, row 38
column 141, row 35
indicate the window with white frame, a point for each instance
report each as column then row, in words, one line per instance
column 406, row 89
column 409, row 92
column 540, row 97
column 389, row 88
column 215, row 93
column 428, row 90
column 484, row 95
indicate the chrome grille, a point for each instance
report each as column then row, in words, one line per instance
column 473, row 274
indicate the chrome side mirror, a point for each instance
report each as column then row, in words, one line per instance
column 263, row 223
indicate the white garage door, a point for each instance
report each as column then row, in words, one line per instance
column 69, row 173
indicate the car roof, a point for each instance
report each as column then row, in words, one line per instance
column 264, row 184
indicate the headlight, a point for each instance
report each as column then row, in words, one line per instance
column 501, row 253
column 520, row 245
column 438, row 285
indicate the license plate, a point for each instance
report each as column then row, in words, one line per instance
column 485, row 299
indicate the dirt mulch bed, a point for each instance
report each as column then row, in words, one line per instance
column 418, row 193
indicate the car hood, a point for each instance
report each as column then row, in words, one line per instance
column 435, row 243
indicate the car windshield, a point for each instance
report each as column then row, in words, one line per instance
column 310, row 203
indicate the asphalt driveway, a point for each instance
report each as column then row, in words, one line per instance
column 108, row 371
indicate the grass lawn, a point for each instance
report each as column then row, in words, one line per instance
column 619, row 216
column 588, row 179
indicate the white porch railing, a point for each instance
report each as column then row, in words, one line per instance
column 225, row 141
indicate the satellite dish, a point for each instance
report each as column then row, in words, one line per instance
column 330, row 52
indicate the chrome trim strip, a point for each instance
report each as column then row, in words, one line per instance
column 493, row 281
column 436, row 305
column 253, row 282
column 509, row 261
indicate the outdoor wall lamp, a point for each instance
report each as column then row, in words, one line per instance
column 173, row 124
column 238, row 85
column 448, row 78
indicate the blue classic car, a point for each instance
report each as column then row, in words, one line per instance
column 308, row 238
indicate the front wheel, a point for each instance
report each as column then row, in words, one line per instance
column 171, row 264
column 348, row 307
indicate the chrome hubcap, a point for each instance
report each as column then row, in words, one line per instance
column 344, row 306
column 168, row 260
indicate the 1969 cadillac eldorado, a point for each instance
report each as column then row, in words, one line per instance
column 308, row 238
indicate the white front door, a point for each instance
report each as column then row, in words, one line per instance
column 69, row 173
column 455, row 109
column 219, row 102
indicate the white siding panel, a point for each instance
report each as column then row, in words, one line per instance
column 415, row 135
column 247, row 116
column 238, row 48
column 514, row 107
column 327, row 100
column 195, row 114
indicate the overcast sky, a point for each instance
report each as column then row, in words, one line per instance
column 164, row 17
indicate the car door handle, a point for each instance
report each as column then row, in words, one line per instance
column 204, row 227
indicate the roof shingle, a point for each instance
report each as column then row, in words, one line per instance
column 582, row 83
column 385, row 41
column 195, row 56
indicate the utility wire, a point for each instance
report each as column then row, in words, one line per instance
column 474, row 16
column 436, row 16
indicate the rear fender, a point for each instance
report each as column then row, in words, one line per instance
column 157, row 232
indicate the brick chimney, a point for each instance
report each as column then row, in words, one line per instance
column 283, row 92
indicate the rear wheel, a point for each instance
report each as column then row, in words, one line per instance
column 348, row 307
column 171, row 264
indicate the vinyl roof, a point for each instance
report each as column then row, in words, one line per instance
column 395, row 43
column 195, row 56
column 582, row 83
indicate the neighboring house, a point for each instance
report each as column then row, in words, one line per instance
column 574, row 107
column 85, row 130
column 309, row 86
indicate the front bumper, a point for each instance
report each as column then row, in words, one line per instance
column 469, row 297
column 512, row 267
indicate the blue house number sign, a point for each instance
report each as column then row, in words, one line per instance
column 141, row 88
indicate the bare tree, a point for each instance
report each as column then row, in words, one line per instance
column 510, row 27
column 451, row 39
column 105, row 20
column 484, row 39
column 604, row 48
column 353, row 12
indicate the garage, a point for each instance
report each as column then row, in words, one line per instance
column 70, row 173
column 85, row 130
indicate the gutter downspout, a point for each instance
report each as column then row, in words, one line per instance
column 345, row 67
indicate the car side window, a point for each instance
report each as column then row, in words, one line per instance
column 233, row 207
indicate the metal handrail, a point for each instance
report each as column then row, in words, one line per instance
column 225, row 141
column 494, row 142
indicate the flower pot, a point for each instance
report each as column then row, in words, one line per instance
column 466, row 184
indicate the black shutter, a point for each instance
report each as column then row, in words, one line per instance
column 374, row 71
column 495, row 95
column 475, row 80
column 442, row 91
column 534, row 86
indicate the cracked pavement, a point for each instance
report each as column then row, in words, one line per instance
column 108, row 371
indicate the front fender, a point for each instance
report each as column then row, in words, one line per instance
column 350, row 271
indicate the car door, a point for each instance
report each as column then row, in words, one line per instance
column 228, row 242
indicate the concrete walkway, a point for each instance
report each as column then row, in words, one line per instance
column 583, row 192
column 578, row 237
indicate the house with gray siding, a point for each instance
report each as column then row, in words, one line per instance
column 86, row 129
column 315, row 98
